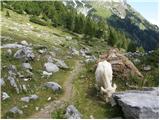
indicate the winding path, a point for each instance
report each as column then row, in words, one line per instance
column 68, row 86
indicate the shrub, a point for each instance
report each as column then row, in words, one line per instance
column 37, row 20
column 7, row 14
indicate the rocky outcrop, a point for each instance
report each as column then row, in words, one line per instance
column 72, row 113
column 25, row 53
column 121, row 65
column 139, row 104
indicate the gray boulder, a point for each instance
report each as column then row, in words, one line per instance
column 2, row 82
column 25, row 53
column 16, row 110
column 26, row 66
column 147, row 68
column 28, row 98
column 53, row 85
column 12, row 70
column 25, row 99
column 14, row 45
column 139, row 104
column 50, row 67
column 72, row 113
column 13, row 83
column 5, row 96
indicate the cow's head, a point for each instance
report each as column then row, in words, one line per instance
column 107, row 93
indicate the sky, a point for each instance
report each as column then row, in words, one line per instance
column 147, row 8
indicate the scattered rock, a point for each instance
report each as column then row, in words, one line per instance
column 90, row 59
column 27, row 66
column 50, row 67
column 72, row 113
column 28, row 98
column 2, row 82
column 12, row 70
column 24, row 43
column 13, row 83
column 91, row 117
column 45, row 73
column 50, row 60
column 42, row 51
column 5, row 96
column 25, row 53
column 37, row 108
column 139, row 104
column 9, row 52
column 49, row 98
column 25, row 106
column 136, row 61
column 24, row 87
column 147, row 68
column 16, row 110
column 29, row 72
column 68, row 38
column 74, row 51
column 26, row 79
column 4, row 38
column 34, row 97
column 121, row 65
column 14, row 45
column 53, row 85
column 25, row 99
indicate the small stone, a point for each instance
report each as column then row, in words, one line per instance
column 34, row 97
column 91, row 117
column 5, row 96
column 2, row 82
column 24, row 43
column 25, row 99
column 68, row 38
column 37, row 108
column 9, row 52
column 49, row 98
column 53, row 85
column 24, row 87
column 147, row 68
column 25, row 79
column 26, row 66
column 15, row 110
column 72, row 113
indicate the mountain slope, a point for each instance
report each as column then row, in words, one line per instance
column 123, row 17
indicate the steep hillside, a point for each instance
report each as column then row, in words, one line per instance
column 49, row 55
column 123, row 17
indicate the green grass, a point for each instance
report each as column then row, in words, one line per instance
column 85, row 98
column 36, row 83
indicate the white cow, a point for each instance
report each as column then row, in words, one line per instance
column 104, row 79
